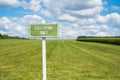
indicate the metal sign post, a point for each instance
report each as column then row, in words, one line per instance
column 44, row 58
column 43, row 31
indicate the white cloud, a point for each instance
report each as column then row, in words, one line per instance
column 90, row 12
column 115, row 7
column 76, row 7
column 72, row 5
column 75, row 25
column 31, row 19
column 71, row 33
column 4, row 21
column 67, row 17
column 101, row 19
column 33, row 5
column 102, row 34
column 46, row 13
column 18, row 26
column 9, row 3
column 113, row 18
column 76, row 17
column 2, row 32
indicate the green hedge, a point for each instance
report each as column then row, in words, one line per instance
column 115, row 41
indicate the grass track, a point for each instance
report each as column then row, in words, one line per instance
column 66, row 60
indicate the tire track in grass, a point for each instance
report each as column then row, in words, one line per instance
column 20, row 63
column 104, row 68
column 91, row 52
column 17, row 56
column 14, row 53
column 58, row 49
column 25, row 52
column 78, row 53
column 106, row 48
column 18, row 48
column 11, row 43
column 110, row 52
column 75, row 64
column 15, row 50
column 111, row 57
column 66, row 63
column 50, row 47
column 20, row 52
column 66, row 60
column 20, row 44
column 57, row 62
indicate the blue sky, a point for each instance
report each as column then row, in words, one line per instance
column 75, row 18
column 111, row 6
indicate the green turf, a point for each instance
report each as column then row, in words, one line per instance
column 66, row 60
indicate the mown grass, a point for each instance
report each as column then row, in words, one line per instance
column 66, row 60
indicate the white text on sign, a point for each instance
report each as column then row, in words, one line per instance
column 43, row 28
column 43, row 32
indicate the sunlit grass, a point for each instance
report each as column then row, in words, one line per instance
column 66, row 60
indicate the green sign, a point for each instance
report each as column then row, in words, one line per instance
column 43, row 30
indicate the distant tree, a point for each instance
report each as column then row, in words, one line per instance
column 1, row 36
column 5, row 36
column 9, row 37
column 98, row 37
column 82, row 37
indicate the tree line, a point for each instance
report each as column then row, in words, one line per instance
column 106, row 39
column 4, row 36
column 98, row 37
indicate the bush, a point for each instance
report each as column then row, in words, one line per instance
column 115, row 41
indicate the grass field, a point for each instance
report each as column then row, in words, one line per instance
column 66, row 60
